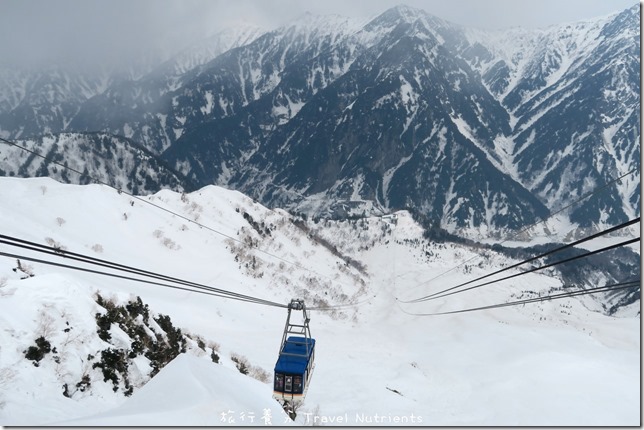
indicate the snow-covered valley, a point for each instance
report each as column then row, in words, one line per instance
column 552, row 363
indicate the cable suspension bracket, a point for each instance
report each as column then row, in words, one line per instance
column 292, row 328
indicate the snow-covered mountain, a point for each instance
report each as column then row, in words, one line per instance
column 419, row 113
column 555, row 363
column 34, row 102
column 389, row 133
column 83, row 158
column 480, row 131
column 574, row 95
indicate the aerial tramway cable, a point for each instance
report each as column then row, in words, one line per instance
column 606, row 288
column 114, row 275
column 195, row 287
column 527, row 227
column 552, row 251
column 8, row 240
column 237, row 296
column 57, row 252
column 534, row 269
column 98, row 181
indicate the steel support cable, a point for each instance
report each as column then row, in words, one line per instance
column 114, row 275
column 120, row 267
column 606, row 288
column 8, row 240
column 526, row 228
column 210, row 291
column 552, row 251
column 534, row 269
column 32, row 246
column 195, row 287
column 168, row 210
column 98, row 181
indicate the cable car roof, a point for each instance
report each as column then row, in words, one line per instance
column 299, row 350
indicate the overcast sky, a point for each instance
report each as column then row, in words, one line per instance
column 38, row 31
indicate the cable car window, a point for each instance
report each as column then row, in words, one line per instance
column 279, row 382
column 289, row 384
column 297, row 384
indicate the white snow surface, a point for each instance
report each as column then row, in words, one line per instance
column 549, row 364
column 191, row 391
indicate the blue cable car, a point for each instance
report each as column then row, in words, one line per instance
column 296, row 359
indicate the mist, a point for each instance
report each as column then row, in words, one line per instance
column 36, row 33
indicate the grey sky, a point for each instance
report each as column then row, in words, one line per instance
column 38, row 31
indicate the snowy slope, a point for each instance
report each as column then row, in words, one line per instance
column 556, row 363
column 192, row 392
column 534, row 58
column 573, row 95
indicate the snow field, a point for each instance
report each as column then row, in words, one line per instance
column 553, row 363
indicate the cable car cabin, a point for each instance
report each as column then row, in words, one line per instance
column 293, row 369
column 296, row 358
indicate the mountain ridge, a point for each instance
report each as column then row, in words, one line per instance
column 383, row 100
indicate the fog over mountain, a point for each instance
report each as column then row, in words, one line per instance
column 117, row 32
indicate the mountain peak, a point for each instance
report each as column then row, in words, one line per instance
column 407, row 11
column 403, row 12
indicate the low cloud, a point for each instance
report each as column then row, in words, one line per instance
column 35, row 32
